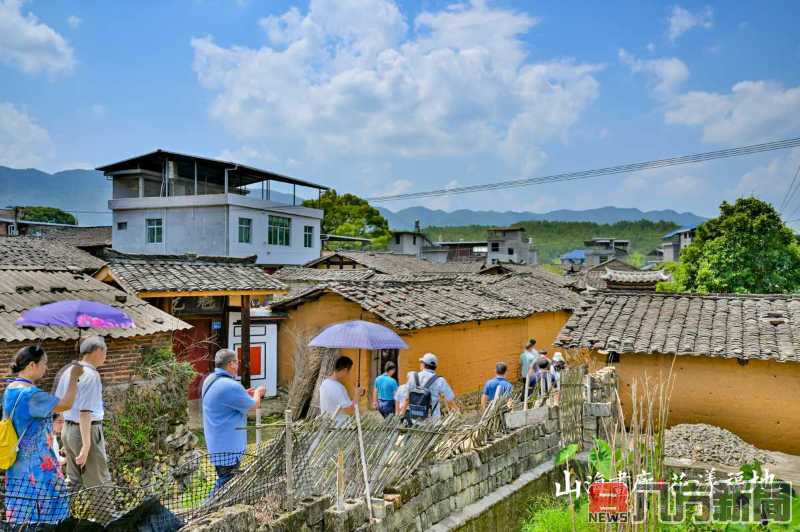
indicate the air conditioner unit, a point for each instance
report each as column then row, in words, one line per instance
column 12, row 230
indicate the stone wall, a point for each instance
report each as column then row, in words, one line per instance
column 484, row 489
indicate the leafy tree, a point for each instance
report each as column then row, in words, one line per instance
column 46, row 214
column 349, row 215
column 747, row 249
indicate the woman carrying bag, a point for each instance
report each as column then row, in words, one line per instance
column 35, row 488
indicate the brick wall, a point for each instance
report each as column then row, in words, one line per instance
column 123, row 354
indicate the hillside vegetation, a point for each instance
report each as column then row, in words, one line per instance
column 553, row 239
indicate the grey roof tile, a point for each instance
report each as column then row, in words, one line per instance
column 765, row 327
column 41, row 253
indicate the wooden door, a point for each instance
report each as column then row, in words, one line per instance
column 196, row 346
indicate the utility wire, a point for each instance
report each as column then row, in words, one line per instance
column 585, row 174
column 791, row 191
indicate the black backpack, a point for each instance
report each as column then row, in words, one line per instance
column 420, row 399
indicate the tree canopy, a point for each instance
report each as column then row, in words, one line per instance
column 746, row 249
column 349, row 215
column 37, row 213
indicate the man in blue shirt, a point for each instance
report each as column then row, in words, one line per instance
column 225, row 407
column 496, row 387
column 384, row 390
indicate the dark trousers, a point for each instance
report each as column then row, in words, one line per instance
column 224, row 475
column 386, row 408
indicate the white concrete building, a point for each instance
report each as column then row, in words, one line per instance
column 167, row 203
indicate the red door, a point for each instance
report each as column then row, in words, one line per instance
column 196, row 346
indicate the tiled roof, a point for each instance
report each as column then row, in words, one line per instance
column 382, row 261
column 763, row 327
column 42, row 253
column 299, row 273
column 21, row 290
column 678, row 231
column 79, row 236
column 507, row 267
column 633, row 277
column 592, row 278
column 416, row 304
column 137, row 274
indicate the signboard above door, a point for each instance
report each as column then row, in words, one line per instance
column 192, row 306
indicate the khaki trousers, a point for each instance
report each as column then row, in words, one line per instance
column 94, row 472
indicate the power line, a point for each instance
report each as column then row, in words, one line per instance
column 791, row 191
column 585, row 174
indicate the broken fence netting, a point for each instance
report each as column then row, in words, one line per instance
column 393, row 453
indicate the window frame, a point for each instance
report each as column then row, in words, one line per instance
column 279, row 234
column 494, row 247
column 308, row 236
column 122, row 226
column 158, row 230
column 247, row 227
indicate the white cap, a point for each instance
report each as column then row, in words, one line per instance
column 558, row 356
column 429, row 359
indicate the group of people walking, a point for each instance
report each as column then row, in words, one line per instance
column 36, row 487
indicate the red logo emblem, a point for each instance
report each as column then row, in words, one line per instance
column 608, row 497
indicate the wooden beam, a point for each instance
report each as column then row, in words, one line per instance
column 201, row 293
column 245, row 370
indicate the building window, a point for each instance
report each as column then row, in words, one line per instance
column 397, row 239
column 603, row 258
column 308, row 236
column 121, row 226
column 155, row 230
column 510, row 251
column 495, row 247
column 414, row 239
column 245, row 230
column 279, row 231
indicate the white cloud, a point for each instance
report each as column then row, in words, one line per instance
column 771, row 182
column 682, row 20
column 74, row 21
column 31, row 45
column 665, row 74
column 23, row 142
column 751, row 111
column 332, row 84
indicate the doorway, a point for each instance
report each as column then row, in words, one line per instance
column 379, row 359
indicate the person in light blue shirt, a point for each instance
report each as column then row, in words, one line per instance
column 496, row 387
column 384, row 390
column 527, row 358
column 225, row 407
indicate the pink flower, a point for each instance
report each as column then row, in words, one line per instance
column 48, row 464
column 31, row 478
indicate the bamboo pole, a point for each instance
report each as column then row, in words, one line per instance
column 363, row 459
column 288, row 460
column 258, row 425
column 340, row 481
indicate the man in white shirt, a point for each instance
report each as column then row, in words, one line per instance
column 438, row 388
column 83, row 440
column 333, row 396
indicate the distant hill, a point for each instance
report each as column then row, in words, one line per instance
column 404, row 219
column 70, row 190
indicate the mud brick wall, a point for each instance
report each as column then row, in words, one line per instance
column 123, row 355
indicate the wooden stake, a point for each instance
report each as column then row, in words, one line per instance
column 340, row 481
column 363, row 459
column 258, row 425
column 288, row 460
column 245, row 370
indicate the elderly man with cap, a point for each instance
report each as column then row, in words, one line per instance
column 425, row 390
column 225, row 407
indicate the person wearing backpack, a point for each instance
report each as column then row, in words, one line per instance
column 35, row 490
column 425, row 390
column 225, row 407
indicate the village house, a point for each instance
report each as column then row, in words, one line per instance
column 735, row 358
column 573, row 261
column 599, row 250
column 35, row 272
column 93, row 239
column 676, row 241
column 471, row 323
column 170, row 203
column 215, row 296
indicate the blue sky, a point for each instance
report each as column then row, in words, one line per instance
column 378, row 96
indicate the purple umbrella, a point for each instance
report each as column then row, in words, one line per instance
column 76, row 314
column 359, row 335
